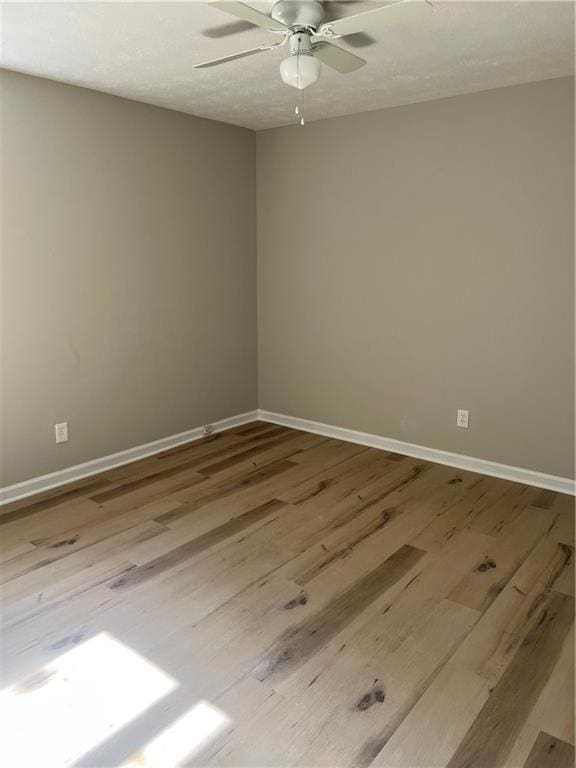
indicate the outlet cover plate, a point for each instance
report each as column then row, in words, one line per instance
column 463, row 418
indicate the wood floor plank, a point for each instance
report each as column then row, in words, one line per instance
column 289, row 444
column 64, row 590
column 352, row 544
column 48, row 549
column 152, row 464
column 205, row 584
column 40, row 637
column 288, row 448
column 32, row 506
column 410, row 611
column 565, row 581
column 74, row 512
column 467, row 502
column 426, row 736
column 495, row 517
column 254, row 428
column 530, row 595
column 397, row 681
column 15, row 548
column 37, row 586
column 206, row 445
column 179, row 473
column 436, row 725
column 491, row 574
column 340, row 518
column 192, row 548
column 316, row 477
column 553, row 711
column 302, row 640
column 228, row 488
column 336, row 451
column 31, row 522
column 488, row 650
column 492, row 735
column 564, row 527
column 549, row 752
column 209, row 507
column 199, row 650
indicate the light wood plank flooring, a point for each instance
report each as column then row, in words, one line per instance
column 268, row 597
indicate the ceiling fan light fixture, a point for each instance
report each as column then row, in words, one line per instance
column 300, row 70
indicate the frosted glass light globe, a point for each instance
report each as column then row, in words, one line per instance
column 300, row 71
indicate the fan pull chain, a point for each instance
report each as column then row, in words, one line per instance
column 299, row 109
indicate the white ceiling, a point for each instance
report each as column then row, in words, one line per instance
column 145, row 51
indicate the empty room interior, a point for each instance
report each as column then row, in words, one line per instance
column 287, row 384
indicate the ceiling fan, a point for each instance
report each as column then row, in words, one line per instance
column 300, row 22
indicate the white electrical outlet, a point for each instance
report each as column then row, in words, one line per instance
column 207, row 429
column 61, row 432
column 462, row 420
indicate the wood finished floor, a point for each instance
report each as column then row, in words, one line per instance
column 342, row 606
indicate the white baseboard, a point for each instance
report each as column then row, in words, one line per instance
column 483, row 467
column 79, row 471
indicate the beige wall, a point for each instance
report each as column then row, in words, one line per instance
column 129, row 259
column 411, row 261
column 420, row 259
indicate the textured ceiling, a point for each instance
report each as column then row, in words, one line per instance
column 145, row 51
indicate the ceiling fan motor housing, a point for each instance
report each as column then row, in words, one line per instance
column 299, row 14
column 300, row 44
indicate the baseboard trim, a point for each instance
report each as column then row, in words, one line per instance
column 482, row 466
column 88, row 468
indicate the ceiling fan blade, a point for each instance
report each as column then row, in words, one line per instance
column 337, row 58
column 247, row 13
column 232, row 57
column 393, row 13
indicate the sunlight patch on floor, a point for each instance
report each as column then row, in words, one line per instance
column 75, row 702
column 179, row 741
